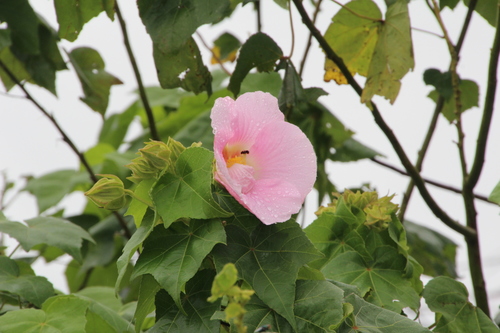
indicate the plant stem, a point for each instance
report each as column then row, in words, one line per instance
column 431, row 182
column 470, row 182
column 437, row 111
column 412, row 171
column 142, row 91
column 259, row 21
column 66, row 139
column 309, row 39
column 421, row 157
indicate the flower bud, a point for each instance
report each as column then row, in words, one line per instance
column 108, row 193
column 155, row 158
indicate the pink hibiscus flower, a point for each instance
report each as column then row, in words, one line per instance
column 267, row 164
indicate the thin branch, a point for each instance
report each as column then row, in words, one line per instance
column 66, row 139
column 484, row 128
column 213, row 54
column 142, row 91
column 309, row 39
column 259, row 19
column 431, row 182
column 412, row 171
column 437, row 111
column 421, row 156
column 292, row 31
column 427, row 32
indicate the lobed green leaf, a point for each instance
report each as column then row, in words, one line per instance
column 174, row 255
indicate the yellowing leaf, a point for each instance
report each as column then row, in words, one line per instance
column 393, row 55
column 332, row 72
column 353, row 35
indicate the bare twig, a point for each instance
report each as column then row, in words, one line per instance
column 431, row 182
column 142, row 91
column 309, row 39
column 412, row 171
column 66, row 139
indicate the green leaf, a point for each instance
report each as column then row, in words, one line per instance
column 15, row 66
column 393, row 55
column 73, row 14
column 65, row 314
column 51, row 188
column 48, row 230
column 495, row 194
column 133, row 244
column 487, row 9
column 174, row 255
column 318, row 306
column 182, row 68
column 198, row 129
column 198, row 311
column 375, row 260
column 171, row 24
column 115, row 127
column 454, row 313
column 104, row 295
column 5, row 40
column 469, row 98
column 370, row 318
column 35, row 289
column 23, row 24
column 353, row 37
column 96, row 82
column 267, row 82
column 104, row 304
column 441, row 81
column 227, row 44
column 146, row 302
column 269, row 259
column 189, row 109
column 43, row 64
column 259, row 51
column 448, row 3
column 188, row 193
column 352, row 150
column 434, row 251
column 382, row 281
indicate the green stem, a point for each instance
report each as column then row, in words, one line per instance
column 410, row 168
column 132, row 194
column 137, row 73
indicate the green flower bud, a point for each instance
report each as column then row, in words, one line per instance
column 154, row 159
column 108, row 193
column 156, row 154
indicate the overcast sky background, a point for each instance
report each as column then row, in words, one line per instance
column 30, row 145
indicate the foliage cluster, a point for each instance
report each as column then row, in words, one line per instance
column 169, row 249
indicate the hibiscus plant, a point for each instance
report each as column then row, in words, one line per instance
column 197, row 223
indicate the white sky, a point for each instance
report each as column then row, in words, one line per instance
column 30, row 145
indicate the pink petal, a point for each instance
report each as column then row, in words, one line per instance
column 273, row 200
column 284, row 152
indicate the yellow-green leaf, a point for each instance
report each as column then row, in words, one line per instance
column 393, row 55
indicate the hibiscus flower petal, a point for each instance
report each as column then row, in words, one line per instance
column 284, row 152
column 273, row 200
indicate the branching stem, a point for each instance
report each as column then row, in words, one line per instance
column 410, row 168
